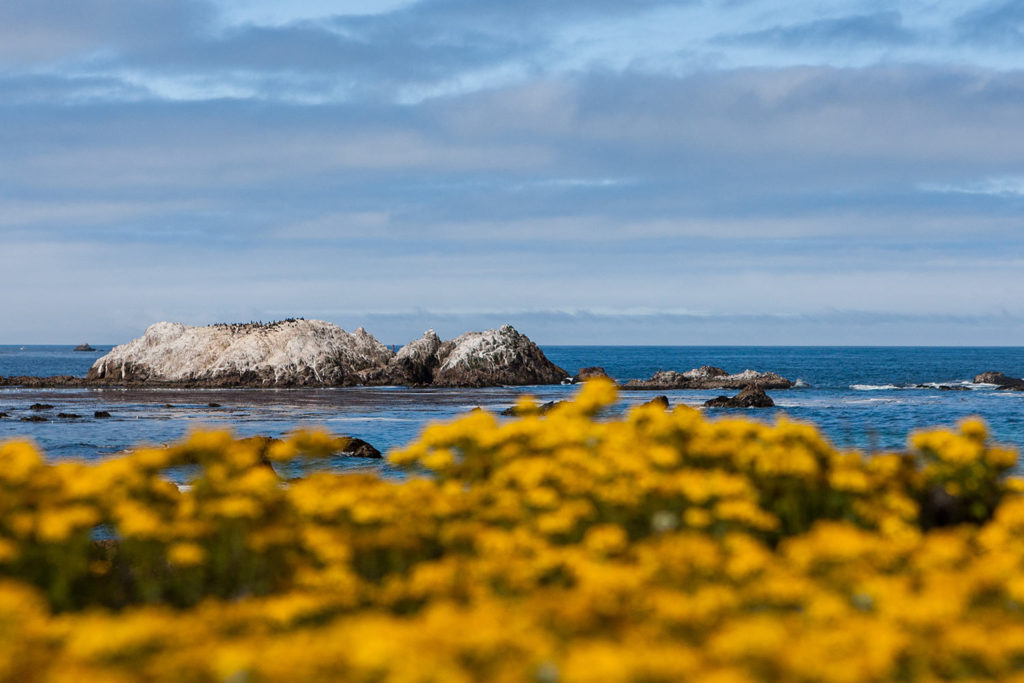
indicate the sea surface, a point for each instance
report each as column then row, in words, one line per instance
column 861, row 397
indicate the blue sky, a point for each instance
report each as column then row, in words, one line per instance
column 592, row 171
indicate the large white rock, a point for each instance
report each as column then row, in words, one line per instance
column 494, row 357
column 290, row 352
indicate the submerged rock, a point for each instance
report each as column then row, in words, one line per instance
column 101, row 414
column 42, row 382
column 40, row 406
column 292, row 352
column 752, row 396
column 708, row 377
column 34, row 418
column 589, row 373
column 1000, row 380
column 542, row 409
column 69, row 416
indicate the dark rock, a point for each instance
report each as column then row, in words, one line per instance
column 708, row 377
column 660, row 401
column 2, row 415
column 751, row 397
column 69, row 416
column 168, row 405
column 34, row 418
column 589, row 373
column 101, row 415
column 414, row 364
column 40, row 406
column 1000, row 380
column 357, row 448
column 542, row 409
column 263, row 443
column 213, row 405
column 84, row 347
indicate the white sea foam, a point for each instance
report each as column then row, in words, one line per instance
column 874, row 387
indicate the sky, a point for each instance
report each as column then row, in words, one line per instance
column 591, row 171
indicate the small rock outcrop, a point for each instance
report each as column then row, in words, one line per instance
column 708, row 377
column 83, row 347
column 357, row 448
column 40, row 406
column 292, row 352
column 660, row 401
column 752, row 396
column 1000, row 380
column 589, row 373
column 101, row 414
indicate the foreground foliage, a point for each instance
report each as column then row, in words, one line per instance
column 662, row 546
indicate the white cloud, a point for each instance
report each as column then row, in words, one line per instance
column 1007, row 186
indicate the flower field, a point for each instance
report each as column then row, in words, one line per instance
column 662, row 546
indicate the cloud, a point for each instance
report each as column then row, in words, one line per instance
column 881, row 28
column 1011, row 186
column 34, row 31
column 997, row 25
column 457, row 157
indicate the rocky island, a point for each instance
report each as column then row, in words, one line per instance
column 298, row 353
column 708, row 377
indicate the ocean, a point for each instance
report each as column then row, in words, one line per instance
column 860, row 397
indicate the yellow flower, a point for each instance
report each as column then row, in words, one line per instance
column 186, row 554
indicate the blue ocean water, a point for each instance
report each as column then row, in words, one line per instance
column 861, row 397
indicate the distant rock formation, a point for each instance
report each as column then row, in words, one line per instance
column 708, row 377
column 752, row 396
column 299, row 352
column 493, row 358
column 1000, row 380
column 84, row 347
column 475, row 359
column 288, row 353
